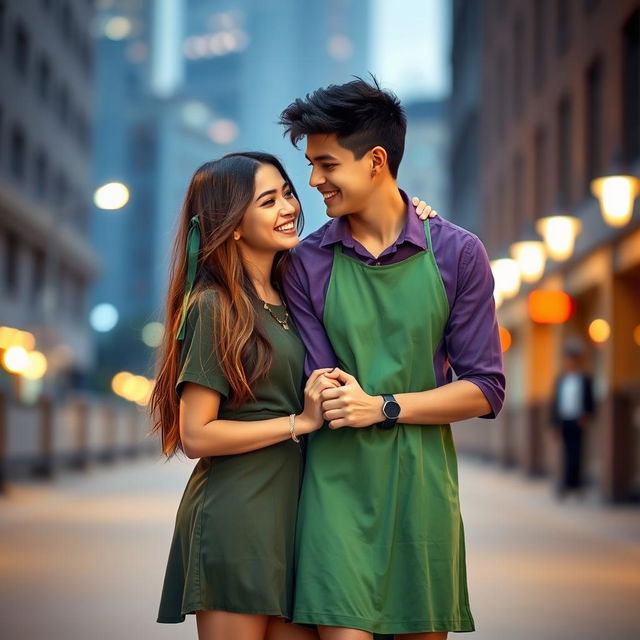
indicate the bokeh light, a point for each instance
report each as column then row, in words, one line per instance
column 104, row 317
column 36, row 366
column 15, row 359
column 152, row 333
column 550, row 307
column 599, row 330
column 117, row 28
column 111, row 196
column 505, row 339
column 223, row 131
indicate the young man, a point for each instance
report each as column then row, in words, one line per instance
column 396, row 304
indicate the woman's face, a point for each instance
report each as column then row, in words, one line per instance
column 269, row 223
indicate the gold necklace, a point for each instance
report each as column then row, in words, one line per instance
column 283, row 323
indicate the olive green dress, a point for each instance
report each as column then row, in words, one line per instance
column 233, row 544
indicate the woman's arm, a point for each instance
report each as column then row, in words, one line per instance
column 203, row 435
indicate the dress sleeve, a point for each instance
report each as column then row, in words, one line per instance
column 199, row 362
column 471, row 335
column 297, row 289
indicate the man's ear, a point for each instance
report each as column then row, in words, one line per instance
column 378, row 160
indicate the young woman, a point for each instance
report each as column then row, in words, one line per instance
column 230, row 392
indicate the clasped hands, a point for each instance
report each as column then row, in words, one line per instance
column 348, row 405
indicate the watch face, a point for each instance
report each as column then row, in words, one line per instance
column 391, row 409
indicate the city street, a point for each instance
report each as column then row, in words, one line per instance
column 84, row 557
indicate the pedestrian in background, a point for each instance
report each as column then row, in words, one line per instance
column 572, row 407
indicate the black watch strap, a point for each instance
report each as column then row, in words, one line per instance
column 389, row 421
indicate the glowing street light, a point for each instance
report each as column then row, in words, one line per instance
column 599, row 330
column 506, row 274
column 111, row 196
column 559, row 234
column 616, row 195
column 36, row 366
column 531, row 257
column 15, row 359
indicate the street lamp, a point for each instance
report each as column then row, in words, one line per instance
column 559, row 234
column 616, row 194
column 531, row 257
column 506, row 274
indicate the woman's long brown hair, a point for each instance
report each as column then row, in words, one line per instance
column 218, row 194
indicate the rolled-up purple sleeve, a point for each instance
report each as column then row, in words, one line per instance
column 297, row 290
column 472, row 339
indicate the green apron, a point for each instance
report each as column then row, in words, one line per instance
column 380, row 540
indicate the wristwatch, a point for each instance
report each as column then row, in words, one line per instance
column 390, row 410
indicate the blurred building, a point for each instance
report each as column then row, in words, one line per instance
column 47, row 263
column 179, row 83
column 464, row 115
column 424, row 170
column 555, row 105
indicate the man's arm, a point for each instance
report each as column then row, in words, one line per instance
column 473, row 346
column 297, row 289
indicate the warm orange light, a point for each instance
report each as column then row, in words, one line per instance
column 10, row 337
column 505, row 339
column 636, row 335
column 36, row 366
column 599, row 330
column 550, row 307
column 118, row 381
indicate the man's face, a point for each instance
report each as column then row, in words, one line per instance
column 344, row 182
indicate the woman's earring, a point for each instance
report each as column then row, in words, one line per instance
column 236, row 235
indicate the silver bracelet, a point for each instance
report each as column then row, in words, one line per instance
column 292, row 428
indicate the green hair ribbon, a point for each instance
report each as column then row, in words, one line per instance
column 193, row 249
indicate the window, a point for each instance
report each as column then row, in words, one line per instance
column 594, row 122
column 63, row 104
column 11, row 263
column 80, row 216
column 3, row 13
column 84, row 132
column 39, row 270
column 61, row 191
column 519, row 196
column 86, row 54
column 518, row 65
column 563, row 25
column 66, row 20
column 564, row 151
column 18, row 152
column 500, row 95
column 539, row 168
column 79, row 296
column 44, row 79
column 41, row 174
column 21, row 49
column 631, row 89
column 539, row 30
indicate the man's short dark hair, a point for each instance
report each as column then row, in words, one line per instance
column 361, row 115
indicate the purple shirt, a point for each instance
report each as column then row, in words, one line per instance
column 470, row 345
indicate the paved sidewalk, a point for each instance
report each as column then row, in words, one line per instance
column 83, row 558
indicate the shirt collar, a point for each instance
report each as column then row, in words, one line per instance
column 413, row 230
